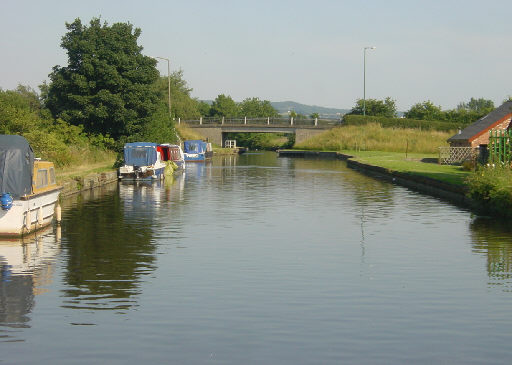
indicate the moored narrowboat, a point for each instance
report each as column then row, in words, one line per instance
column 142, row 161
column 197, row 150
column 28, row 188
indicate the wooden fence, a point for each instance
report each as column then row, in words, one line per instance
column 456, row 155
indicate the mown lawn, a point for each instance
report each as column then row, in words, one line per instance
column 415, row 164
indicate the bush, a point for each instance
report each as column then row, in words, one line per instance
column 491, row 188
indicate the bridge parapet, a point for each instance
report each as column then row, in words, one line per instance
column 281, row 122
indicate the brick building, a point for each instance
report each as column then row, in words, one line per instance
column 477, row 134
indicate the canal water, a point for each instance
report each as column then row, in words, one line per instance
column 255, row 259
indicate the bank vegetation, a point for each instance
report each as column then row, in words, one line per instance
column 374, row 137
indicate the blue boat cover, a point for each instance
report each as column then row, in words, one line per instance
column 194, row 146
column 140, row 153
column 16, row 166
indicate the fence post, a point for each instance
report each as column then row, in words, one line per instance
column 200, row 120
column 179, row 121
column 268, row 120
column 245, row 120
column 316, row 122
column 291, row 121
column 223, row 120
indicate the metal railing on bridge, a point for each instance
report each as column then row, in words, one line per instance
column 269, row 121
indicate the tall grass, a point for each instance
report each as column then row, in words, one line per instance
column 373, row 137
column 187, row 133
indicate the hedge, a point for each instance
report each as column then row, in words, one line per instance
column 387, row 122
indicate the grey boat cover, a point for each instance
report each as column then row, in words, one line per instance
column 16, row 165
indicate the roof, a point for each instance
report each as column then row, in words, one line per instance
column 484, row 124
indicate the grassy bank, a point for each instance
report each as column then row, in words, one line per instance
column 407, row 150
column 71, row 172
column 373, row 137
column 415, row 152
column 419, row 164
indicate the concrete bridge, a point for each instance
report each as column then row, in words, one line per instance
column 215, row 129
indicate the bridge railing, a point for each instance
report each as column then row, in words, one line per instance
column 270, row 121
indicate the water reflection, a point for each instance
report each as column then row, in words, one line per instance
column 26, row 268
column 109, row 244
column 494, row 239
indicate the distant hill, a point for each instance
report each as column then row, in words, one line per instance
column 284, row 106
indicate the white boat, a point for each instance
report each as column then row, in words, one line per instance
column 28, row 189
column 142, row 161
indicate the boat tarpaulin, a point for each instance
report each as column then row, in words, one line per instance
column 194, row 146
column 16, row 165
column 140, row 153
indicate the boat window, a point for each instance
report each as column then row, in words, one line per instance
column 193, row 147
column 139, row 152
column 52, row 175
column 42, row 178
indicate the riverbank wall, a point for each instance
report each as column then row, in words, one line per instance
column 80, row 184
column 456, row 194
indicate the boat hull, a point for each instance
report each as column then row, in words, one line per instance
column 195, row 157
column 137, row 175
column 28, row 214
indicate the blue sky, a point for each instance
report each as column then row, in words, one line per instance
column 306, row 51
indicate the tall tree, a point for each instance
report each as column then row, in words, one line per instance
column 479, row 105
column 224, row 106
column 182, row 104
column 383, row 108
column 425, row 111
column 254, row 107
column 107, row 85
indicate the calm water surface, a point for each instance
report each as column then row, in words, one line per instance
column 258, row 260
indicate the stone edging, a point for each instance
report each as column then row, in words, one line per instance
column 88, row 182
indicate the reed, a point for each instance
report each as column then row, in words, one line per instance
column 373, row 137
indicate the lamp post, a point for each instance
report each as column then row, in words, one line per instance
column 168, row 81
column 364, row 77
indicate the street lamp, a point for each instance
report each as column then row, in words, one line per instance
column 168, row 81
column 364, row 77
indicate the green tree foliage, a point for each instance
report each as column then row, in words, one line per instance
column 479, row 105
column 373, row 107
column 425, row 111
column 19, row 112
column 107, row 86
column 204, row 108
column 55, row 140
column 254, row 108
column 385, row 122
column 263, row 141
column 182, row 104
column 464, row 114
column 224, row 106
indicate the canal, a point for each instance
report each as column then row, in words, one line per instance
column 255, row 259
